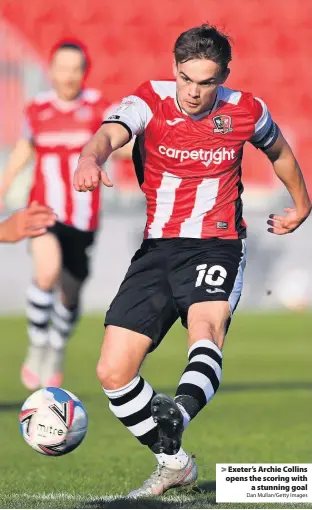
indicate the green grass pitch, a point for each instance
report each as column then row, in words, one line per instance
column 262, row 413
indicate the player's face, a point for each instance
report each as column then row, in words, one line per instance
column 67, row 73
column 197, row 84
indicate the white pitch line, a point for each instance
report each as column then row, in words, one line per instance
column 90, row 497
column 48, row 495
column 58, row 495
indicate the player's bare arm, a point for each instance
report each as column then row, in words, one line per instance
column 19, row 157
column 288, row 171
column 30, row 222
column 124, row 152
column 106, row 140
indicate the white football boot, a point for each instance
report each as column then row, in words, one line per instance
column 31, row 368
column 52, row 370
column 165, row 478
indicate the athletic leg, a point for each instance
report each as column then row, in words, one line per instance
column 207, row 293
column 139, row 317
column 47, row 260
column 75, row 246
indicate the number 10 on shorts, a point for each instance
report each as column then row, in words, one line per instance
column 215, row 275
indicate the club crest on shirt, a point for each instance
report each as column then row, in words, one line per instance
column 223, row 124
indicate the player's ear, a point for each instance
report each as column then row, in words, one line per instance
column 225, row 75
column 174, row 68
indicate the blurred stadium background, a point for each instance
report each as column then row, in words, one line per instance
column 263, row 413
column 130, row 42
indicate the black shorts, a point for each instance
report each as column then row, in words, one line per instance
column 167, row 276
column 74, row 247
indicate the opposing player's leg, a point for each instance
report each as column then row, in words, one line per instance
column 208, row 292
column 138, row 319
column 47, row 260
column 75, row 246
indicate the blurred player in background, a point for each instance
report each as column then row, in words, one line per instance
column 57, row 125
column 190, row 135
column 32, row 221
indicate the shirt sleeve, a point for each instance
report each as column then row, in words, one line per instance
column 266, row 130
column 133, row 113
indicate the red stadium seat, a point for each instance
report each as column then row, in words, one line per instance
column 271, row 44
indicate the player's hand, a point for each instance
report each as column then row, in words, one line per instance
column 287, row 223
column 88, row 175
column 30, row 222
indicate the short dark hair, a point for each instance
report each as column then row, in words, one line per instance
column 206, row 42
column 69, row 45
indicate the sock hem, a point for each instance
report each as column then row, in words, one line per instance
column 119, row 392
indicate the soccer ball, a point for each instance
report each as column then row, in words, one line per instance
column 53, row 421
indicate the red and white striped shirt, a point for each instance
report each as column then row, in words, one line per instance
column 189, row 166
column 58, row 131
